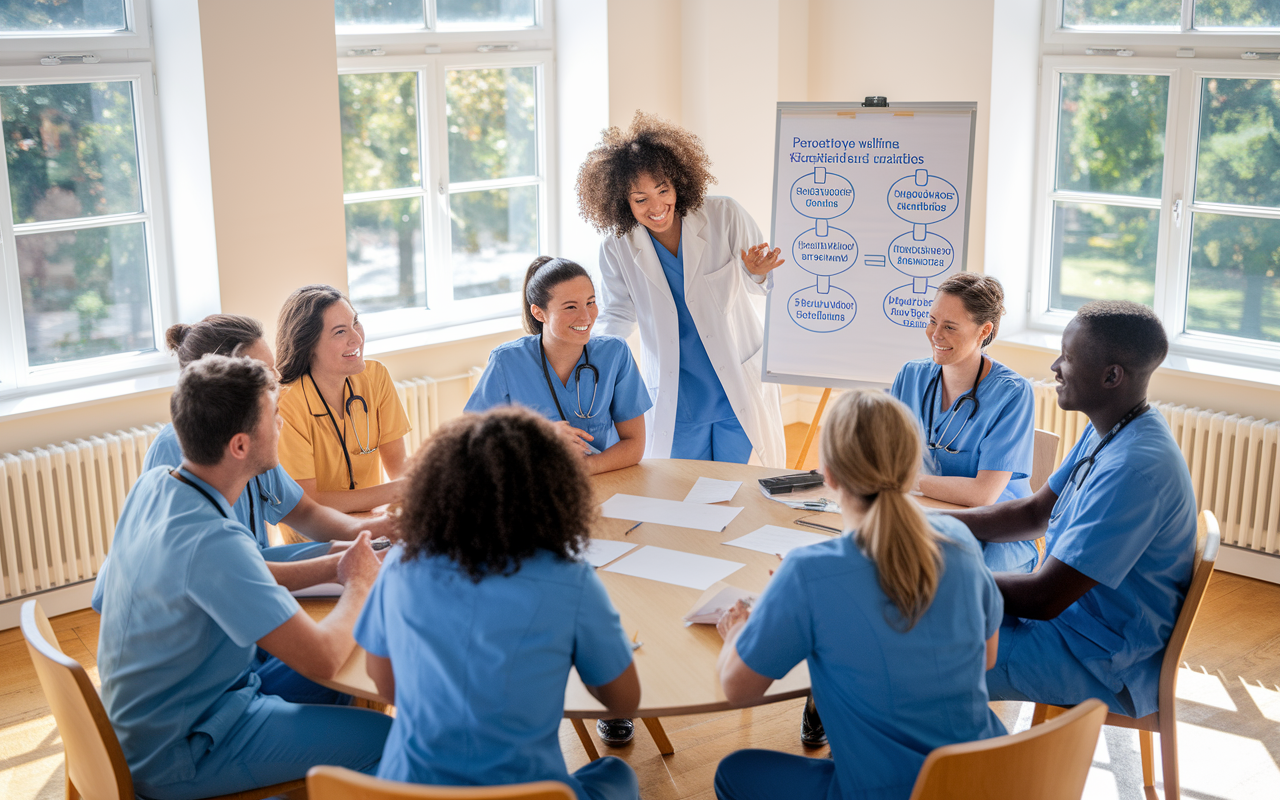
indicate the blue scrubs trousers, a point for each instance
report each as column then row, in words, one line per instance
column 609, row 778
column 712, row 441
column 769, row 775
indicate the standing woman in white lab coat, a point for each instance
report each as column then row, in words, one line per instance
column 682, row 265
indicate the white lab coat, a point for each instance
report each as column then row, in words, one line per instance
column 634, row 289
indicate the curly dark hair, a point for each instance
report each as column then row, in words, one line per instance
column 490, row 490
column 651, row 145
column 1125, row 333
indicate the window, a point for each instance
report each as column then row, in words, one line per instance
column 80, row 276
column 446, row 173
column 1159, row 173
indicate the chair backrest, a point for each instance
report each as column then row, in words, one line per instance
column 1044, row 455
column 1208, row 540
column 337, row 783
column 95, row 762
column 1048, row 762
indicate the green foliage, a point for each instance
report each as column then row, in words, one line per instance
column 453, row 14
column 378, row 12
column 1111, row 133
column 1237, row 13
column 379, row 116
column 1088, row 13
column 61, row 15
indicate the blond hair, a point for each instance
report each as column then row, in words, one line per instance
column 871, row 449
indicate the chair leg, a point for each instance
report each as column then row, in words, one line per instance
column 72, row 792
column 1148, row 758
column 1169, row 756
column 659, row 735
column 588, row 743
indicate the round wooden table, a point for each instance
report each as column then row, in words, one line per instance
column 677, row 662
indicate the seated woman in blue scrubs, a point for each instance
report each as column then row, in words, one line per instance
column 480, row 611
column 897, row 618
column 978, row 415
column 589, row 387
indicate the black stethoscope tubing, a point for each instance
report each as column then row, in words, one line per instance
column 1088, row 460
column 256, row 482
column 178, row 474
column 928, row 402
column 577, row 383
column 342, row 439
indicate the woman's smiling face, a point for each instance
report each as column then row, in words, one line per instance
column 653, row 203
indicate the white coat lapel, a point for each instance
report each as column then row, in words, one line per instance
column 692, row 241
column 643, row 253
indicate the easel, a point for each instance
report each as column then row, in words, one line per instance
column 813, row 429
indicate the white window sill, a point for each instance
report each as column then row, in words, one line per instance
column 1195, row 366
column 440, row 336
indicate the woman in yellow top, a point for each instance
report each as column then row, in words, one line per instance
column 343, row 423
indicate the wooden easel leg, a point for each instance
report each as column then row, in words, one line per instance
column 813, row 429
column 588, row 743
column 659, row 735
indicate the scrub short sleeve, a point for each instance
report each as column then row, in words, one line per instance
column 1058, row 480
column 992, row 600
column 230, row 582
column 630, row 395
column 371, row 628
column 601, row 651
column 1010, row 441
column 393, row 422
column 164, row 451
column 491, row 390
column 899, row 386
column 1112, row 519
column 280, row 486
column 296, row 450
column 779, row 633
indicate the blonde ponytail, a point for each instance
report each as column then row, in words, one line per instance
column 871, row 448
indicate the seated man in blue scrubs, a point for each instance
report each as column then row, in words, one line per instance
column 189, row 599
column 1119, row 517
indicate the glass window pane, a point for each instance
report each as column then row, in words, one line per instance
column 85, row 293
column 1236, row 14
column 492, row 123
column 461, row 15
column 495, row 236
column 71, row 150
column 1103, row 252
column 1238, row 158
column 1235, row 277
column 385, row 267
column 1111, row 133
column 379, row 131
column 379, row 14
column 52, row 16
column 1122, row 13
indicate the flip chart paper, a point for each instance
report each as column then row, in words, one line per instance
column 602, row 551
column 710, row 490
column 775, row 539
column 669, row 512
column 674, row 566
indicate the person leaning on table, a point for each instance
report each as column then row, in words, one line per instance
column 484, row 606
column 188, row 600
column 897, row 619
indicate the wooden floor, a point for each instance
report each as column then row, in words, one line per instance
column 1229, row 714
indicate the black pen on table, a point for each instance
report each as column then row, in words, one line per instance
column 632, row 528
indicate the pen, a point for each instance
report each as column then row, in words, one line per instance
column 818, row 526
column 629, row 530
column 635, row 640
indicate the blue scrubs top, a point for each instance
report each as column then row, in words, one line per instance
column 481, row 667
column 999, row 437
column 887, row 696
column 514, row 376
column 1130, row 524
column 186, row 599
column 701, row 398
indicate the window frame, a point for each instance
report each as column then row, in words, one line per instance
column 398, row 39
column 1186, row 36
column 436, row 189
column 17, row 375
column 136, row 36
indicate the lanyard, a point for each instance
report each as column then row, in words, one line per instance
column 178, row 474
column 577, row 382
column 1088, row 460
column 342, row 439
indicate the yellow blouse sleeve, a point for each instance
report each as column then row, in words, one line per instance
column 296, row 448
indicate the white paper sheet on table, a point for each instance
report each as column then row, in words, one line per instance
column 776, row 539
column 602, row 551
column 710, row 490
column 715, row 601
column 701, row 516
column 674, row 566
column 319, row 590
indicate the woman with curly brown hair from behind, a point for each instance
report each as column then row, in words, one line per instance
column 484, row 605
column 682, row 265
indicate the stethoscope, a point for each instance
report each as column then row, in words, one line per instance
column 177, row 473
column 1086, row 463
column 930, row 400
column 577, row 383
column 267, row 497
column 342, row 439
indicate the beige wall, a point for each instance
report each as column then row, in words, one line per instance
column 644, row 60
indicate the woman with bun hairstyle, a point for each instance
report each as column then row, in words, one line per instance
column 588, row 387
column 683, row 265
column 897, row 619
column 978, row 415
column 343, row 422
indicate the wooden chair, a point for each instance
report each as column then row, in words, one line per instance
column 336, row 783
column 1044, row 457
column 96, row 769
column 1043, row 762
column 1164, row 720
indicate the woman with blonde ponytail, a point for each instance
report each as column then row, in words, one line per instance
column 897, row 619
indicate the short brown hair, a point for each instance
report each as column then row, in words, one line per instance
column 224, row 334
column 653, row 146
column 490, row 490
column 982, row 296
column 216, row 398
column 299, row 328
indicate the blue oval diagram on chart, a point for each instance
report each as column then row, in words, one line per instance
column 906, row 307
column 923, row 199
column 821, row 194
column 824, row 255
column 921, row 258
column 822, row 313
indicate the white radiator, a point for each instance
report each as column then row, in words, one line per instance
column 1234, row 463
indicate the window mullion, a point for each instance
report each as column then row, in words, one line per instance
column 13, row 358
column 1169, row 295
column 1188, row 15
column 433, row 130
